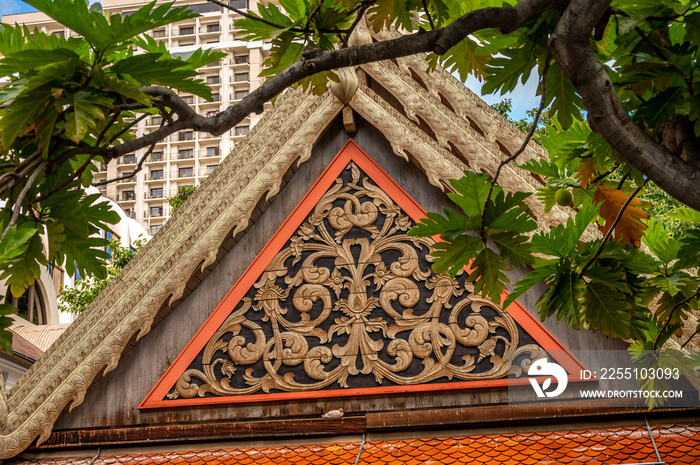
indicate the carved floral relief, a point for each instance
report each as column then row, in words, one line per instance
column 350, row 301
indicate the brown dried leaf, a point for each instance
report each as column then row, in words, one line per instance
column 586, row 173
column 629, row 229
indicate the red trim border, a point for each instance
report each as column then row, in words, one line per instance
column 350, row 152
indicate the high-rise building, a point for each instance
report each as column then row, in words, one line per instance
column 187, row 157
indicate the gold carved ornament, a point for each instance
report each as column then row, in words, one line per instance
column 359, row 316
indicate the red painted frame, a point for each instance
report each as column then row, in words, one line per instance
column 350, row 152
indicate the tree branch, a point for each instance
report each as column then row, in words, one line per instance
column 570, row 47
column 511, row 158
column 72, row 178
column 427, row 14
column 22, row 195
column 245, row 14
column 507, row 19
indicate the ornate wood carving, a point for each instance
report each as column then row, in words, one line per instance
column 342, row 302
column 350, row 301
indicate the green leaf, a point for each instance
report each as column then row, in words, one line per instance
column 25, row 60
column 21, row 113
column 55, row 237
column 487, row 274
column 463, row 59
column 452, row 257
column 447, row 227
column 87, row 108
column 547, row 195
column 672, row 283
column 381, row 14
column 606, row 309
column 561, row 240
column 660, row 241
column 514, row 247
column 660, row 108
column 563, row 298
column 15, row 241
column 505, row 73
column 685, row 214
column 613, row 277
column 22, row 270
column 565, row 102
column 86, row 256
column 542, row 167
column 472, row 190
column 690, row 249
column 5, row 322
column 120, row 86
column 541, row 273
column 92, row 24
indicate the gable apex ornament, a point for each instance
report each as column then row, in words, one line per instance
column 341, row 301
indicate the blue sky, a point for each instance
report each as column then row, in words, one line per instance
column 523, row 97
column 9, row 7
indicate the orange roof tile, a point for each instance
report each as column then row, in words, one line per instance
column 676, row 444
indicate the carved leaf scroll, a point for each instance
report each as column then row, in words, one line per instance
column 350, row 301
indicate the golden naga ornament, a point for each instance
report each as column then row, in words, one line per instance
column 351, row 302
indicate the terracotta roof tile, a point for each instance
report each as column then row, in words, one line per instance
column 677, row 444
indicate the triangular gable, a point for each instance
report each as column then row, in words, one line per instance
column 342, row 302
column 224, row 205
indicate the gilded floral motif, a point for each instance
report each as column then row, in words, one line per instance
column 351, row 295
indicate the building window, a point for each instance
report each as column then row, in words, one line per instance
column 156, row 174
column 128, row 195
column 129, row 158
column 215, row 97
column 59, row 33
column 185, row 172
column 188, row 99
column 240, row 77
column 30, row 305
column 130, row 212
column 156, row 211
column 242, row 130
column 213, row 64
column 213, row 80
column 239, row 94
column 240, row 4
column 213, row 28
column 155, row 228
column 212, row 151
column 157, row 156
column 187, row 31
column 204, row 8
column 159, row 34
column 240, row 59
column 185, row 135
column 212, row 113
column 156, row 120
column 211, row 168
column 185, row 153
column 157, row 193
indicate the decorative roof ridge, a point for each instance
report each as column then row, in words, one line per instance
column 189, row 241
column 482, row 154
